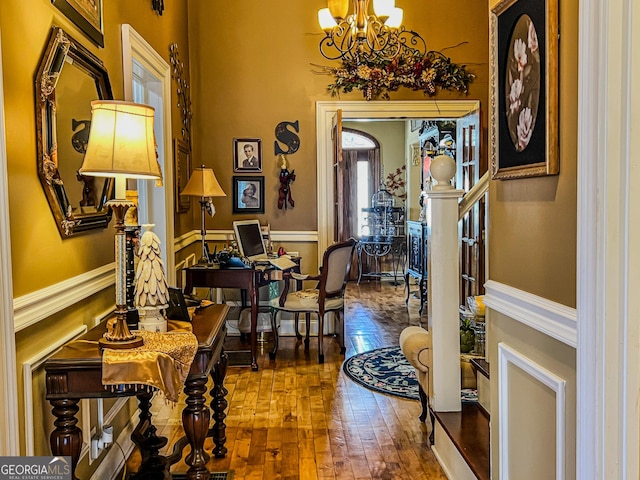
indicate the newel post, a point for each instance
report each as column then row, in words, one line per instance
column 443, row 286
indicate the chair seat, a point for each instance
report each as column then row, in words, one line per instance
column 306, row 301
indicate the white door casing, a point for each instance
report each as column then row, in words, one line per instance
column 326, row 111
column 9, row 438
column 156, row 205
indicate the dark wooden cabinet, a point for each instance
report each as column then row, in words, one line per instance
column 417, row 260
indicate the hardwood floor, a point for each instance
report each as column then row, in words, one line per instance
column 296, row 419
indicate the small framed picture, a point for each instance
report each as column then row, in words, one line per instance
column 86, row 14
column 247, row 155
column 181, row 174
column 248, row 194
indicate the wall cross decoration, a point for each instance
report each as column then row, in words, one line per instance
column 184, row 98
column 158, row 6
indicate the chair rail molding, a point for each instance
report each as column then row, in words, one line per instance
column 33, row 307
column 28, row 367
column 553, row 319
column 194, row 236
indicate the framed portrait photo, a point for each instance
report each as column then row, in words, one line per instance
column 524, row 137
column 181, row 174
column 247, row 155
column 248, row 194
column 86, row 14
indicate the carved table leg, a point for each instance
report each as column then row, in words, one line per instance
column 153, row 465
column 253, row 293
column 195, row 418
column 66, row 439
column 218, row 406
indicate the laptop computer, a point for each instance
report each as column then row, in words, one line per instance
column 251, row 245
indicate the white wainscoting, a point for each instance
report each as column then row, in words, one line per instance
column 508, row 357
column 33, row 307
column 553, row 319
column 28, row 368
column 29, row 309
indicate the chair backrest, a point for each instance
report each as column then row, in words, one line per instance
column 336, row 263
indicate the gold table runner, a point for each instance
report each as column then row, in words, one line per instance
column 162, row 362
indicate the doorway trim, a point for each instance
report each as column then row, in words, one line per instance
column 134, row 46
column 353, row 110
column 10, row 438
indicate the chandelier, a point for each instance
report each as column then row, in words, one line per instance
column 363, row 38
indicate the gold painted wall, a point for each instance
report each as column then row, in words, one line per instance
column 538, row 215
column 391, row 136
column 36, row 244
column 41, row 258
column 252, row 68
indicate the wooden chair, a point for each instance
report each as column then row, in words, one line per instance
column 328, row 296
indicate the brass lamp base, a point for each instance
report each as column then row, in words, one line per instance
column 120, row 337
column 133, row 342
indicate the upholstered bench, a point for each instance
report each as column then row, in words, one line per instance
column 415, row 343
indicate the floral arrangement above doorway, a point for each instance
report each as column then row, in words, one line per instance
column 428, row 72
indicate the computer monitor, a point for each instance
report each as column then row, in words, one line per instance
column 250, row 240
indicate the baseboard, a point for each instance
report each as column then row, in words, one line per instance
column 449, row 458
column 115, row 459
column 462, row 442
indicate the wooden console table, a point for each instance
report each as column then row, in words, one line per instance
column 75, row 372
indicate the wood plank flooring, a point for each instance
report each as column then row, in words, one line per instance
column 296, row 419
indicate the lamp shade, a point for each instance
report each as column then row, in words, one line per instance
column 203, row 183
column 383, row 8
column 121, row 141
column 326, row 21
column 395, row 18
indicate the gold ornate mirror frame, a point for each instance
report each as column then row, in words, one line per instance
column 68, row 79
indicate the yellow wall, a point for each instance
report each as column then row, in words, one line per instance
column 252, row 68
column 392, row 143
column 532, row 247
column 40, row 256
column 538, row 215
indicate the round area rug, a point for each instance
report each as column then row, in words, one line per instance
column 384, row 370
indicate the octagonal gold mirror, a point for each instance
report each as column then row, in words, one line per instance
column 68, row 79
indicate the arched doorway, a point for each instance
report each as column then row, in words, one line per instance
column 359, row 173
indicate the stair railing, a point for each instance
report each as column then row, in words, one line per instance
column 473, row 196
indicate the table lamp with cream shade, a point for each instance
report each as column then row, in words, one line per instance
column 204, row 184
column 121, row 145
